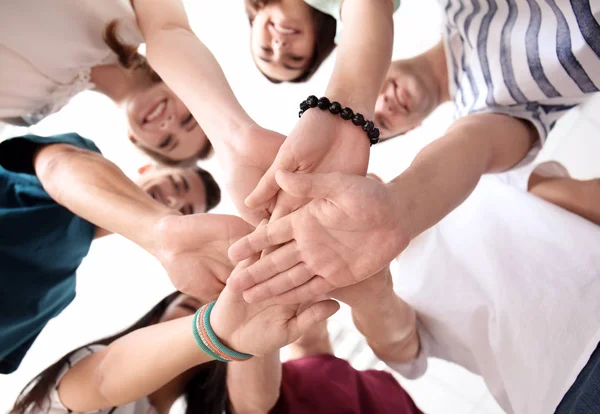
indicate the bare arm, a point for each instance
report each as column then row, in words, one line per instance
column 386, row 321
column 131, row 367
column 364, row 54
column 446, row 171
column 97, row 190
column 190, row 69
column 253, row 386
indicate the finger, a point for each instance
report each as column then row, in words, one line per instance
column 320, row 185
column 267, row 188
column 312, row 315
column 270, row 235
column 309, row 291
column 278, row 284
column 280, row 260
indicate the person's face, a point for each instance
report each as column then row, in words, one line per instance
column 181, row 189
column 283, row 39
column 404, row 101
column 181, row 307
column 160, row 122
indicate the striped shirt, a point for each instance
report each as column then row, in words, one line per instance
column 530, row 59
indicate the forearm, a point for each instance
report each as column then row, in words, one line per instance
column 364, row 54
column 97, row 190
column 254, row 385
column 193, row 73
column 389, row 326
column 131, row 367
column 444, row 173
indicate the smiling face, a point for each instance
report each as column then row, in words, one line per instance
column 406, row 98
column 159, row 121
column 283, row 39
column 181, row 189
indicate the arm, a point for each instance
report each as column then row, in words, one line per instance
column 322, row 142
column 132, row 367
column 355, row 226
column 193, row 249
column 385, row 320
column 253, row 386
column 364, row 54
column 190, row 69
column 445, row 172
column 97, row 190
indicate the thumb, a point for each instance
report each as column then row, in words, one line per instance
column 312, row 315
column 318, row 185
column 267, row 187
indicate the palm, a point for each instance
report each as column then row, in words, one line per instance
column 237, row 323
column 195, row 252
column 346, row 234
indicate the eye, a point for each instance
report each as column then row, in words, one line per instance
column 296, row 58
column 166, row 142
column 266, row 49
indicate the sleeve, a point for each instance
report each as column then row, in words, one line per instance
column 16, row 154
column 334, row 9
column 55, row 406
column 417, row 367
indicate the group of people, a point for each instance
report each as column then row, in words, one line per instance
column 501, row 279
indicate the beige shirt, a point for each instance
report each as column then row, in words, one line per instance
column 47, row 50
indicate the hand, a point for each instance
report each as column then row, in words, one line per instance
column 245, row 163
column 320, row 142
column 350, row 231
column 264, row 327
column 194, row 251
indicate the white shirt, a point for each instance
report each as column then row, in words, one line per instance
column 47, row 49
column 55, row 406
column 529, row 59
column 508, row 286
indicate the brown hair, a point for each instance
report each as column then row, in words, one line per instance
column 130, row 59
column 325, row 35
column 205, row 393
column 212, row 189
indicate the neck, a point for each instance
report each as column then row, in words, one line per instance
column 433, row 62
column 114, row 81
column 163, row 399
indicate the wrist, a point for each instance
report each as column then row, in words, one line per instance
column 162, row 224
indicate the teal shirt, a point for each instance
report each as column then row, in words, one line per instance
column 41, row 246
column 334, row 9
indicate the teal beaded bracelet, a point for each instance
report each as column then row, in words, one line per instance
column 199, row 340
column 234, row 355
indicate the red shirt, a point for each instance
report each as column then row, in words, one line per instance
column 329, row 385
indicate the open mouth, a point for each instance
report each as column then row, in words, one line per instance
column 155, row 112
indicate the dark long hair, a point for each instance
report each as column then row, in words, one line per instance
column 325, row 35
column 130, row 59
column 206, row 392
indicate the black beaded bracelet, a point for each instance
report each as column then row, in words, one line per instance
column 346, row 114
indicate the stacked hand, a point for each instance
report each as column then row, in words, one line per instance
column 320, row 142
column 349, row 231
column 264, row 327
column 194, row 251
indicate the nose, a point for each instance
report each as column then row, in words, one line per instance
column 279, row 43
column 167, row 122
column 383, row 104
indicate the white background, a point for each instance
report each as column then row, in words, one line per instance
column 118, row 281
